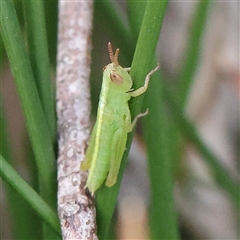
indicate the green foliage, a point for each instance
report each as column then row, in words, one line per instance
column 21, row 187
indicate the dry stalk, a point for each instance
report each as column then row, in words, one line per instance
column 75, row 208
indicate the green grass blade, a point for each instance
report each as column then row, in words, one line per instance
column 29, row 226
column 106, row 197
column 162, row 212
column 163, row 222
column 24, row 80
column 38, row 53
column 193, row 50
column 191, row 133
column 36, row 202
column 135, row 16
column 144, row 55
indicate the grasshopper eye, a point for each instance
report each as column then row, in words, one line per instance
column 116, row 78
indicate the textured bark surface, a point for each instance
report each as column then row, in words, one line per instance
column 75, row 208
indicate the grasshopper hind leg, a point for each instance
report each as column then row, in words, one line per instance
column 118, row 148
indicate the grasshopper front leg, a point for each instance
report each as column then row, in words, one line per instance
column 143, row 89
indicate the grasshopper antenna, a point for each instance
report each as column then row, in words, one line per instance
column 113, row 57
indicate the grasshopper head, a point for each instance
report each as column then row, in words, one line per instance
column 118, row 75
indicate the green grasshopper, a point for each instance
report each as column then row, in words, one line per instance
column 109, row 134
